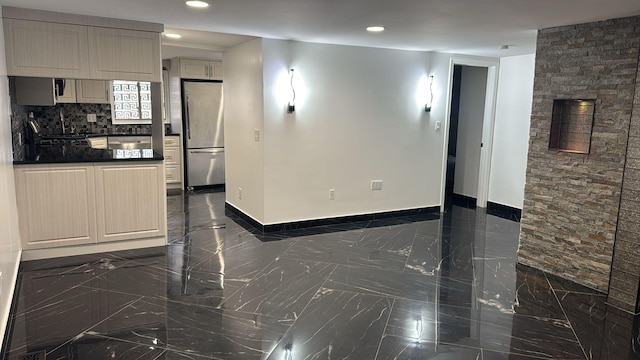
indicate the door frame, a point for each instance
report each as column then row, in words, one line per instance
column 491, row 93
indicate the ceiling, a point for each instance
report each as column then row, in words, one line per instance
column 459, row 26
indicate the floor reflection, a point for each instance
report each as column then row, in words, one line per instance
column 443, row 286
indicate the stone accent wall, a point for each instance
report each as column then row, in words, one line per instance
column 572, row 201
column 625, row 267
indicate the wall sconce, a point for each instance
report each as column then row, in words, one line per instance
column 291, row 107
column 427, row 107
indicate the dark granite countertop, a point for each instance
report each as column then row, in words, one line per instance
column 74, row 151
column 113, row 134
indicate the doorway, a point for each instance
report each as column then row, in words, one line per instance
column 470, row 115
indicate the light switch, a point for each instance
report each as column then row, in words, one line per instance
column 256, row 135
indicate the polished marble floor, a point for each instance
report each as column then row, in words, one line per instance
column 418, row 287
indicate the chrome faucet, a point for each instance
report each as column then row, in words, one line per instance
column 62, row 121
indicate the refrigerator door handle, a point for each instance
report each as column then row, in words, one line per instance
column 187, row 117
column 207, row 151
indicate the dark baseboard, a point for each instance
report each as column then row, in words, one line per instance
column 504, row 211
column 463, row 201
column 272, row 228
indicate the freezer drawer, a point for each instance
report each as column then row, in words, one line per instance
column 205, row 166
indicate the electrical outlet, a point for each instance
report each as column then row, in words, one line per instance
column 19, row 139
column 332, row 194
column 92, row 118
column 376, row 184
column 438, row 125
column 256, row 135
column 240, row 193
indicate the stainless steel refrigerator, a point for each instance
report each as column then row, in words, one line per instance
column 204, row 132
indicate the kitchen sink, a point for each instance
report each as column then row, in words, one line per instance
column 129, row 142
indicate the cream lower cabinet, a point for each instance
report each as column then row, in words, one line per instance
column 173, row 162
column 56, row 205
column 129, row 201
column 83, row 204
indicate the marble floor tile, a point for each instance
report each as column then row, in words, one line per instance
column 397, row 284
column 426, row 286
column 197, row 330
column 339, row 252
column 336, row 325
column 534, row 297
column 395, row 238
column 483, row 328
column 426, row 255
column 283, row 289
column 399, row 348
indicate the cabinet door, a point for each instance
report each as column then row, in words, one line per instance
column 173, row 174
column 217, row 70
column 195, row 69
column 56, row 205
column 124, row 55
column 130, row 201
column 92, row 91
column 172, row 141
column 69, row 94
column 171, row 156
column 46, row 49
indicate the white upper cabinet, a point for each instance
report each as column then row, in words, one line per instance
column 93, row 91
column 58, row 45
column 68, row 93
column 124, row 54
column 200, row 69
column 44, row 49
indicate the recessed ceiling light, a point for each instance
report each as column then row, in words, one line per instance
column 197, row 3
column 505, row 47
column 173, row 36
column 375, row 28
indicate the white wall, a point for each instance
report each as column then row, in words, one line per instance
column 359, row 117
column 243, row 112
column 473, row 85
column 511, row 132
column 9, row 236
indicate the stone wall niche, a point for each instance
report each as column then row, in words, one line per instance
column 571, row 125
column 576, row 209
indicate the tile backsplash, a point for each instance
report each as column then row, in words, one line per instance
column 18, row 121
column 75, row 120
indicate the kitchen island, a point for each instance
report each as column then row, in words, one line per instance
column 75, row 199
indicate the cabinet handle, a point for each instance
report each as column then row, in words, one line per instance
column 187, row 118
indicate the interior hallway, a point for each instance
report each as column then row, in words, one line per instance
column 423, row 287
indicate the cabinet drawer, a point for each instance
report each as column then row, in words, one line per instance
column 172, row 141
column 171, row 156
column 172, row 173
